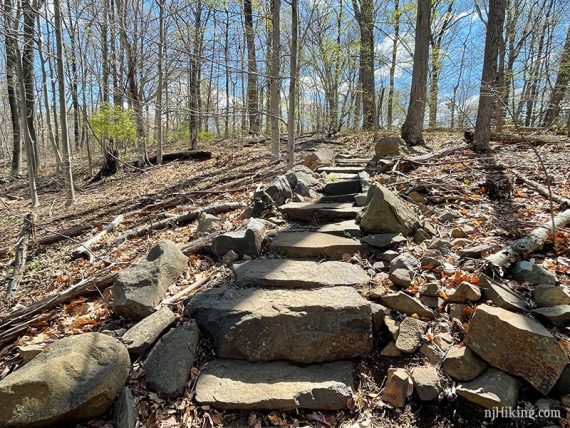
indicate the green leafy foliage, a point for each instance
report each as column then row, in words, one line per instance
column 115, row 123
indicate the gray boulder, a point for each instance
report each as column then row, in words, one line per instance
column 302, row 180
column 384, row 212
column 547, row 295
column 77, row 378
column 492, row 389
column 389, row 146
column 527, row 271
column 320, row 157
column 143, row 334
column 518, row 345
column 246, row 240
column 406, row 304
column 125, row 412
column 142, row 286
column 167, row 367
column 463, row 364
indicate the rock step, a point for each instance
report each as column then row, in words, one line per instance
column 347, row 228
column 341, row 169
column 304, row 326
column 240, row 385
column 286, row 273
column 328, row 199
column 343, row 187
column 352, row 161
column 316, row 244
column 308, row 211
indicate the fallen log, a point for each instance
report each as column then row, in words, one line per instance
column 543, row 190
column 179, row 220
column 408, row 164
column 508, row 138
column 19, row 263
column 523, row 247
column 84, row 250
column 197, row 155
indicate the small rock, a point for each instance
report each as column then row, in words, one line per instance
column 230, row 257
column 558, row 316
column 246, row 240
column 417, row 197
column 457, row 311
column 433, row 353
column 550, row 295
column 426, row 382
column 443, row 340
column 475, row 252
column 379, row 266
column 500, row 294
column 143, row 334
column 430, row 289
column 446, row 216
column 398, row 387
column 527, row 271
column 410, row 335
column 168, row 365
column 563, row 384
column 492, row 389
column 360, row 199
column 377, row 292
column 76, row 378
column 462, row 232
column 139, row 288
column 421, row 235
column 384, row 240
column 443, row 327
column 430, row 301
column 439, row 245
column 431, row 259
column 392, row 326
column 378, row 314
column 464, row 292
column 404, row 261
column 390, row 350
column 365, row 182
column 461, row 242
column 517, row 344
column 302, row 180
column 386, row 213
column 125, row 411
column 388, row 256
column 409, row 305
column 29, row 352
column 402, row 277
column 208, row 223
column 463, row 364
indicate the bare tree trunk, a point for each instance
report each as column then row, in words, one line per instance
column 413, row 126
column 158, row 112
column 252, row 90
column 74, row 84
column 560, row 87
column 10, row 34
column 292, row 85
column 105, row 52
column 274, row 78
column 67, row 173
column 487, row 93
column 364, row 13
column 393, row 63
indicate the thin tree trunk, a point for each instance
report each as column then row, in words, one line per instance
column 560, row 87
column 252, row 89
column 412, row 129
column 393, row 63
column 487, row 93
column 158, row 112
column 292, row 85
column 274, row 78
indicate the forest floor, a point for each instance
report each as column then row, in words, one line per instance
column 481, row 189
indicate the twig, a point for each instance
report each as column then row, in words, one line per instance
column 19, row 263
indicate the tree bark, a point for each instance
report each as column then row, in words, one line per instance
column 274, row 78
column 68, row 175
column 487, row 92
column 412, row 129
column 393, row 63
column 364, row 13
column 292, row 85
column 560, row 87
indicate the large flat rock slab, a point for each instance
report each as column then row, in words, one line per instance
column 285, row 273
column 352, row 161
column 518, row 345
column 341, row 169
column 307, row 211
column 343, row 187
column 304, row 326
column 241, row 385
column 316, row 244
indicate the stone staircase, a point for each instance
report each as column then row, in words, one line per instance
column 287, row 332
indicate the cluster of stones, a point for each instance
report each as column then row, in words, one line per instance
column 287, row 331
